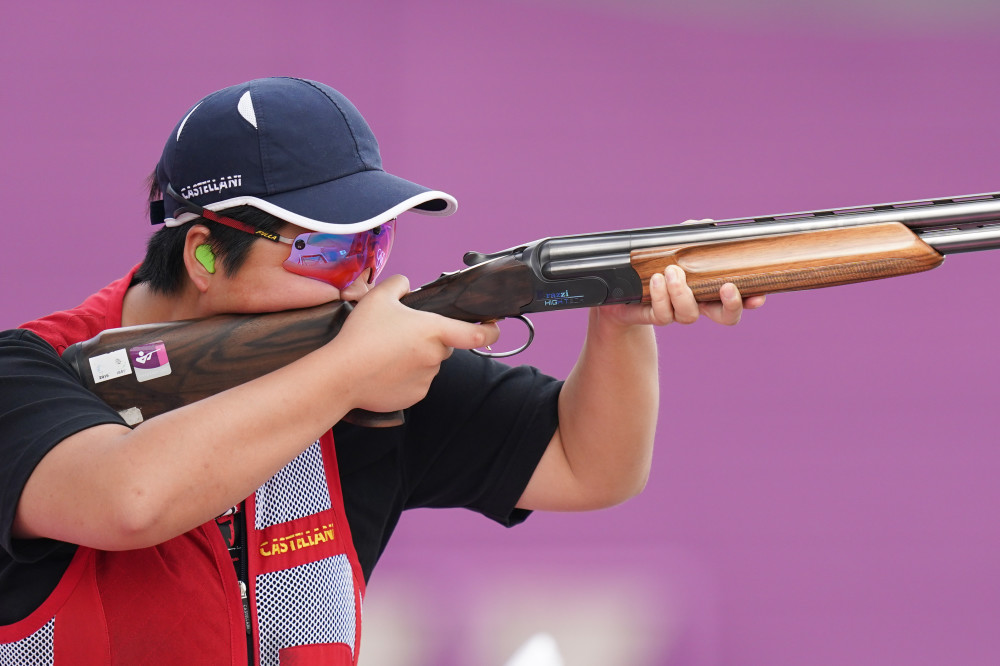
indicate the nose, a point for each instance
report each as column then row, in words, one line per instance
column 358, row 288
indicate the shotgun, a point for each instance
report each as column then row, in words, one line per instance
column 146, row 370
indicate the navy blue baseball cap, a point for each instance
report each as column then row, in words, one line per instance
column 293, row 148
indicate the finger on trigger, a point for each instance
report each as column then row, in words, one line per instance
column 492, row 330
column 465, row 335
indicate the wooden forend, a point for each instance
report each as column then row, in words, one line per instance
column 791, row 262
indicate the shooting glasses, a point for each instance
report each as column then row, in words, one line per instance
column 337, row 259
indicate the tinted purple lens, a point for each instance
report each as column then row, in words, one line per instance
column 340, row 259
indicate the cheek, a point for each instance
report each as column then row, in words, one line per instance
column 303, row 292
column 274, row 289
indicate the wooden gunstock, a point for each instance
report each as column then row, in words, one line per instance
column 791, row 262
column 207, row 356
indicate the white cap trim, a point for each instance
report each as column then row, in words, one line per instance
column 180, row 128
column 328, row 227
column 245, row 107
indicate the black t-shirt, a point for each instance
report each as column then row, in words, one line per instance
column 473, row 442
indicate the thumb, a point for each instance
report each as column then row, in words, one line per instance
column 396, row 286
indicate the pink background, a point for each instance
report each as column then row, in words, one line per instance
column 824, row 489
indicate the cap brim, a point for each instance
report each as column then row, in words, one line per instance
column 354, row 203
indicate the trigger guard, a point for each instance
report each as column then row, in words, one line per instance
column 531, row 336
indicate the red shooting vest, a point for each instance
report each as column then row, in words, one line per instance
column 179, row 601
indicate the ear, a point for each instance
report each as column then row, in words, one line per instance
column 197, row 270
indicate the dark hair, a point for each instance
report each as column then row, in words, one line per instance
column 163, row 266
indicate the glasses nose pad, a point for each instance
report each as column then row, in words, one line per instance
column 374, row 255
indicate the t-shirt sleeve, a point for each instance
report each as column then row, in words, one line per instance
column 42, row 402
column 477, row 437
